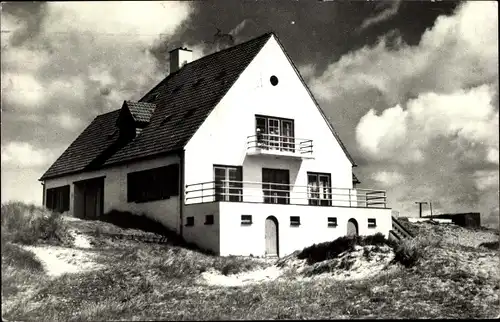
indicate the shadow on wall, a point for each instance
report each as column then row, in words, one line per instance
column 128, row 220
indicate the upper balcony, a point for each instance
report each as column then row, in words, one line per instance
column 279, row 145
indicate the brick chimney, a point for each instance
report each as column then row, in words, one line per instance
column 179, row 57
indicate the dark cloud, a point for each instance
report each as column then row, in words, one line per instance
column 32, row 14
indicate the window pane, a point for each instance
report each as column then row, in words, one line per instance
column 261, row 124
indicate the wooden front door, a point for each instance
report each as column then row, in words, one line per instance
column 272, row 236
column 93, row 198
column 352, row 227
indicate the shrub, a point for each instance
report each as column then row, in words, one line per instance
column 27, row 224
column 407, row 253
column 328, row 250
column 490, row 245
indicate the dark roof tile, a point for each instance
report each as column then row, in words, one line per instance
column 95, row 139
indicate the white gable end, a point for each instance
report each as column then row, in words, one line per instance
column 222, row 138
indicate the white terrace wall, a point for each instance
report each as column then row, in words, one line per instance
column 222, row 138
column 115, row 191
column 237, row 239
column 205, row 236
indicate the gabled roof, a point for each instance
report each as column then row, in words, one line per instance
column 183, row 101
column 169, row 114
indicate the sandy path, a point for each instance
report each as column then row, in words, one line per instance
column 58, row 260
column 256, row 276
column 61, row 260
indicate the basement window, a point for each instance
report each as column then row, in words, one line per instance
column 372, row 223
column 209, row 219
column 246, row 219
column 57, row 199
column 190, row 221
column 332, row 221
column 294, row 221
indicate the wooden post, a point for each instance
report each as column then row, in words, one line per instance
column 420, row 203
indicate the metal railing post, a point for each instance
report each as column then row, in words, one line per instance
column 202, row 191
column 350, row 198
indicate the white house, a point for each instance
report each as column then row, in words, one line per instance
column 230, row 150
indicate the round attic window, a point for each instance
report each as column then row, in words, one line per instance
column 274, row 80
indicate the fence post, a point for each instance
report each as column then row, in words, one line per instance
column 202, row 192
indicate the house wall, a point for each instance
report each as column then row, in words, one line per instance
column 245, row 240
column 205, row 236
column 115, row 191
column 222, row 138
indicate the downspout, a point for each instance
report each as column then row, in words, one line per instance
column 43, row 193
column 182, row 195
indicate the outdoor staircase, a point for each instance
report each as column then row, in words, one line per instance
column 398, row 231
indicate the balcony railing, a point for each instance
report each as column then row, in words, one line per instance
column 280, row 145
column 279, row 193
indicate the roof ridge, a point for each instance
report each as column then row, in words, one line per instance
column 267, row 34
column 232, row 47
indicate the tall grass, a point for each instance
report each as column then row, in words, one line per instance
column 19, row 268
column 28, row 224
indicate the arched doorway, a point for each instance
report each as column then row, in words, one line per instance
column 352, row 227
column 272, row 244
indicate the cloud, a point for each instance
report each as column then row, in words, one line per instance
column 78, row 60
column 22, row 155
column 401, row 135
column 390, row 10
column 23, row 90
column 388, row 178
column 486, row 179
column 428, row 112
column 307, row 71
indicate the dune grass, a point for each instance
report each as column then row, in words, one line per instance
column 30, row 224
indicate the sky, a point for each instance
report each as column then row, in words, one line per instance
column 411, row 87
